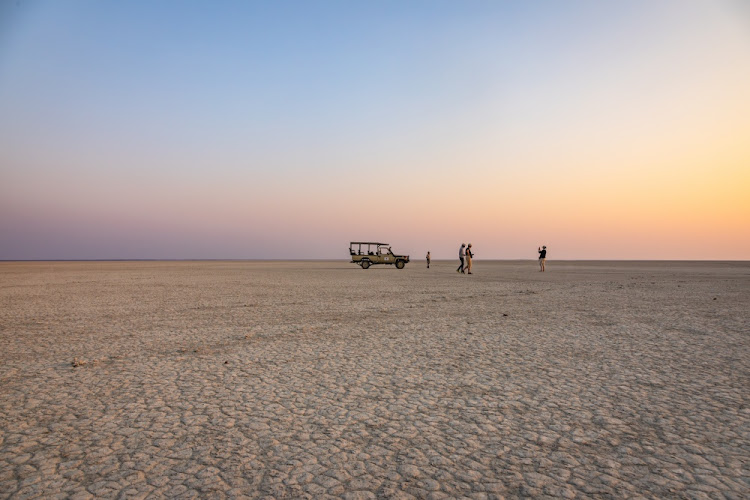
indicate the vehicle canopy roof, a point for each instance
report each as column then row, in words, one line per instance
column 367, row 243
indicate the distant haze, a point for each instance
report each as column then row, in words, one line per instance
column 170, row 129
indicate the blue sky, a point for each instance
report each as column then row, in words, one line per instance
column 233, row 129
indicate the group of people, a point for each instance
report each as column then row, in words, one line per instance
column 465, row 255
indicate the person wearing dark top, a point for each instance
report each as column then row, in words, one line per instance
column 542, row 258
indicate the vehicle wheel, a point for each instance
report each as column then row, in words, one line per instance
column 365, row 264
column 399, row 264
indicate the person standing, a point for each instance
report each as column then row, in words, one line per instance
column 428, row 259
column 542, row 257
column 469, row 256
column 461, row 255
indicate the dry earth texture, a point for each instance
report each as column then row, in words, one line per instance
column 320, row 379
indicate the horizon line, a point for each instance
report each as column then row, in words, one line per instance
column 339, row 260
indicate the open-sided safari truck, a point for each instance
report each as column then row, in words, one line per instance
column 368, row 253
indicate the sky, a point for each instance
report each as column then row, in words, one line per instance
column 284, row 130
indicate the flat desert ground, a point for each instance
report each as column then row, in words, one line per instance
column 320, row 379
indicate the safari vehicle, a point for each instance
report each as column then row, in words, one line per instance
column 367, row 253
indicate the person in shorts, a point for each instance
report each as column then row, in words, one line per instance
column 542, row 257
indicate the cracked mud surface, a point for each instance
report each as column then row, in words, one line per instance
column 319, row 379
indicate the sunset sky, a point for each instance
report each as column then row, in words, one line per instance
column 185, row 129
